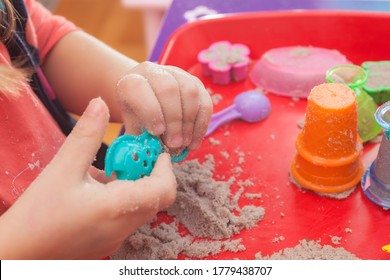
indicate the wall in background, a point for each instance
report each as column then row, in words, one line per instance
column 50, row 4
column 109, row 21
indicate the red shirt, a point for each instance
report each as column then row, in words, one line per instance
column 29, row 137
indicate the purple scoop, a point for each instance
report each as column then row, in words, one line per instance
column 250, row 106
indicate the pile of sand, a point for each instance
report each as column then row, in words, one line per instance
column 211, row 215
column 310, row 250
column 205, row 208
column 164, row 242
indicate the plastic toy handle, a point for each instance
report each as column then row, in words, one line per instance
column 382, row 116
column 218, row 119
column 250, row 106
column 180, row 157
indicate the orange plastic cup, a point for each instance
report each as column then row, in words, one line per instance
column 329, row 147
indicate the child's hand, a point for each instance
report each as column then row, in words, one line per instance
column 167, row 101
column 66, row 213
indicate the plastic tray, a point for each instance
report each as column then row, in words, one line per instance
column 361, row 36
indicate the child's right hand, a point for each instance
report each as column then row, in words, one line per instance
column 68, row 213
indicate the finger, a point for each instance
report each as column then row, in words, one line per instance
column 203, row 117
column 164, row 181
column 167, row 92
column 100, row 175
column 149, row 194
column 140, row 105
column 189, row 92
column 79, row 149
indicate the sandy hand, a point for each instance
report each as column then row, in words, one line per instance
column 67, row 214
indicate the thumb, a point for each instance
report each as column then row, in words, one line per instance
column 79, row 149
column 154, row 192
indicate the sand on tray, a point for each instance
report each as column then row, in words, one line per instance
column 205, row 208
column 310, row 250
column 211, row 215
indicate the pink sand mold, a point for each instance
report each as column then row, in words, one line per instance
column 225, row 62
column 294, row 71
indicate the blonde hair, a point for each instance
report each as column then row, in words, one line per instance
column 8, row 15
column 12, row 78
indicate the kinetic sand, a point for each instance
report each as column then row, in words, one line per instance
column 204, row 207
column 310, row 250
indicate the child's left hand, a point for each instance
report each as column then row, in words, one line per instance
column 167, row 101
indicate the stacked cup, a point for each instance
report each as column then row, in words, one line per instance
column 376, row 180
column 328, row 158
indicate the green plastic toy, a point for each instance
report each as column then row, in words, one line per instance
column 378, row 83
column 355, row 77
column 133, row 157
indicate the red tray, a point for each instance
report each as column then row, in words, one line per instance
column 361, row 36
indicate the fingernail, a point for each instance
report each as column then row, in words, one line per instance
column 94, row 107
column 187, row 140
column 176, row 141
column 158, row 129
column 194, row 145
